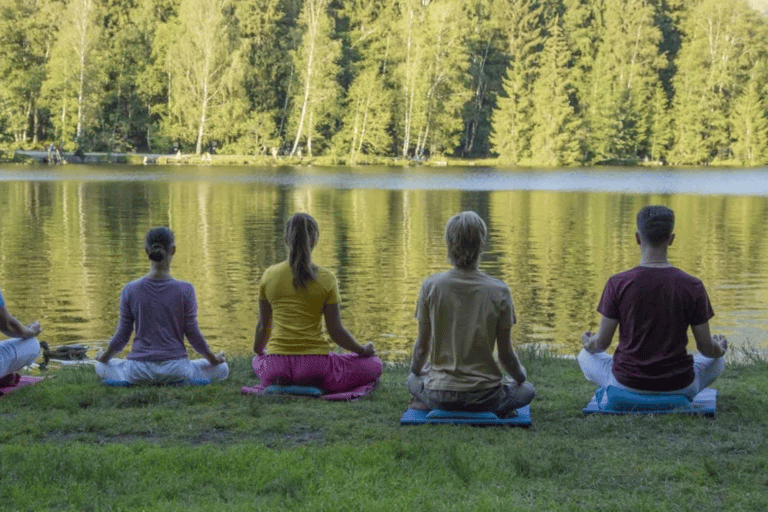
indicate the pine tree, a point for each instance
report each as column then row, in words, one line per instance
column 554, row 139
column 749, row 122
column 623, row 76
column 522, row 22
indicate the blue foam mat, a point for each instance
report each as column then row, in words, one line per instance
column 416, row 417
column 705, row 404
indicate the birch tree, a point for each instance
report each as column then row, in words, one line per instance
column 432, row 75
column 316, row 64
column 205, row 68
column 74, row 70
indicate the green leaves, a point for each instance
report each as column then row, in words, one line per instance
column 556, row 82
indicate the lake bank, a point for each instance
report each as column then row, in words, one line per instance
column 71, row 444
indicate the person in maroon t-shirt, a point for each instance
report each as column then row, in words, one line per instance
column 652, row 305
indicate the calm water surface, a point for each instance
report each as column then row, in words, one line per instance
column 72, row 237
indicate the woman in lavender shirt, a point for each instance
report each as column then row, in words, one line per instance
column 163, row 311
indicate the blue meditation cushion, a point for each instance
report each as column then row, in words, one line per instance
column 613, row 400
column 617, row 399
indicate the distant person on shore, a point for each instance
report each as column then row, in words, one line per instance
column 18, row 351
column 652, row 305
column 163, row 311
column 463, row 315
column 294, row 298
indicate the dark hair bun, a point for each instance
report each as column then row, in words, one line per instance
column 156, row 255
column 159, row 242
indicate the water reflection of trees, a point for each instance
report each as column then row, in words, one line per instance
column 67, row 248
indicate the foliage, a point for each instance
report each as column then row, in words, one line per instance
column 664, row 80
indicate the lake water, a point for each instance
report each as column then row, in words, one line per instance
column 73, row 236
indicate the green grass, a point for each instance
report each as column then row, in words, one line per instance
column 71, row 444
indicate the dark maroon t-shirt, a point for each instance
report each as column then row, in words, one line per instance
column 654, row 307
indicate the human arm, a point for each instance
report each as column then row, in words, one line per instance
column 263, row 327
column 507, row 356
column 599, row 342
column 421, row 348
column 10, row 326
column 709, row 345
column 341, row 336
column 192, row 329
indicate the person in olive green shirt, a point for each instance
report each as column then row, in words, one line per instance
column 463, row 314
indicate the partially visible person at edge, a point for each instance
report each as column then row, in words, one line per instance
column 653, row 304
column 163, row 310
column 20, row 350
column 294, row 297
column 463, row 314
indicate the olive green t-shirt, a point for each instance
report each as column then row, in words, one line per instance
column 297, row 314
column 464, row 309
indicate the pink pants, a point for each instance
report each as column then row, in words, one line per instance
column 333, row 373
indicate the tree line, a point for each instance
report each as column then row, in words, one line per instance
column 550, row 82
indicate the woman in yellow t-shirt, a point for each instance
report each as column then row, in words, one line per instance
column 294, row 297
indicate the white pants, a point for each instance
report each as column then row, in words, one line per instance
column 161, row 372
column 16, row 353
column 598, row 368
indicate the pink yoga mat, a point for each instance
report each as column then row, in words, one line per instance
column 26, row 380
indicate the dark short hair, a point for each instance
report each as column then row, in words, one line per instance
column 655, row 224
column 159, row 242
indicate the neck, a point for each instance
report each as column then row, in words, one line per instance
column 160, row 270
column 654, row 256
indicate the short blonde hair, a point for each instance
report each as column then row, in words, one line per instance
column 465, row 235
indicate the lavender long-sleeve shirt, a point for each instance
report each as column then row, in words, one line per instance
column 164, row 311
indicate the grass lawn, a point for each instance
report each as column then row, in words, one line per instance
column 71, row 444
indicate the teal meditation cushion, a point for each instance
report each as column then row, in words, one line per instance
column 612, row 398
column 274, row 389
column 440, row 414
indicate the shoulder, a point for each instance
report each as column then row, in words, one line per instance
column 492, row 282
column 435, row 280
column 275, row 270
column 325, row 277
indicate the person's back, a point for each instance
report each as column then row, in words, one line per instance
column 653, row 305
column 465, row 309
column 163, row 312
column 297, row 313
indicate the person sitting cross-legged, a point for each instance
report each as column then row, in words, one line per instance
column 463, row 314
column 18, row 351
column 295, row 296
column 653, row 305
column 163, row 311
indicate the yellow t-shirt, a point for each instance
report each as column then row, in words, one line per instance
column 297, row 314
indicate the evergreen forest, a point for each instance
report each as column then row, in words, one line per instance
column 549, row 82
